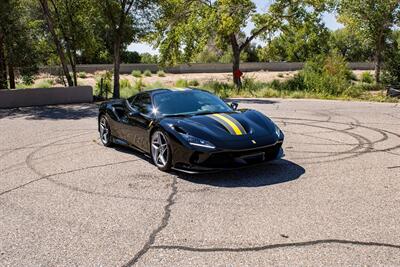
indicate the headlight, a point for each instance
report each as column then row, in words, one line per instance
column 278, row 131
column 195, row 141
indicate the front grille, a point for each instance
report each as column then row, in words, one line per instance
column 240, row 158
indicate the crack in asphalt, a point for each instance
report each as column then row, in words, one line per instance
column 164, row 223
column 275, row 246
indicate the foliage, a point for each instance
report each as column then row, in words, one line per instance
column 373, row 21
column 161, row 73
column 139, row 85
column 147, row 73
column 104, row 84
column 125, row 83
column 182, row 83
column 82, row 75
column 136, row 73
column 391, row 74
column 298, row 42
column 148, row 58
column 366, row 77
column 28, row 79
column 351, row 45
column 129, row 57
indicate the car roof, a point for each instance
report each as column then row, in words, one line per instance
column 166, row 90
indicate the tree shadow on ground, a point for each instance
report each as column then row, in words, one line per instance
column 275, row 172
column 61, row 112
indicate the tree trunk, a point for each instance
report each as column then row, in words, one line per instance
column 378, row 63
column 3, row 69
column 11, row 73
column 117, row 48
column 57, row 42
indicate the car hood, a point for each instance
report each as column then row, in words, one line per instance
column 236, row 130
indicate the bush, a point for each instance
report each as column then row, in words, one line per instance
column 193, row 83
column 82, row 75
column 45, row 83
column 124, row 83
column 161, row 73
column 181, row 83
column 354, row 91
column 139, row 85
column 28, row 79
column 219, row 88
column 367, row 77
column 137, row 73
column 104, row 84
column 147, row 73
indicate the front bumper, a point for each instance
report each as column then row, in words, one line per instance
column 194, row 161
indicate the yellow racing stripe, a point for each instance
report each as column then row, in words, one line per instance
column 231, row 123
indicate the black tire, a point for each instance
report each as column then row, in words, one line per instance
column 161, row 156
column 105, row 131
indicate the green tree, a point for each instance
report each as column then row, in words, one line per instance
column 185, row 26
column 373, row 20
column 125, row 22
column 298, row 41
column 351, row 45
column 17, row 52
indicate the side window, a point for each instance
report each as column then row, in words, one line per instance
column 142, row 103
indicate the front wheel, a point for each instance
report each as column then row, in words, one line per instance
column 161, row 151
column 105, row 131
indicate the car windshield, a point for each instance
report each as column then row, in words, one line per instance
column 188, row 103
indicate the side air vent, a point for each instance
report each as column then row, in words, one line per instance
column 179, row 129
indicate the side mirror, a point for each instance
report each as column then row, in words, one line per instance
column 234, row 105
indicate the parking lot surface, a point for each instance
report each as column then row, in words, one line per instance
column 333, row 200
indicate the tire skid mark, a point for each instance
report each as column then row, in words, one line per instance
column 362, row 141
column 277, row 246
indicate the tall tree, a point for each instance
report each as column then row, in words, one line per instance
column 373, row 20
column 186, row 26
column 126, row 21
column 17, row 52
column 56, row 39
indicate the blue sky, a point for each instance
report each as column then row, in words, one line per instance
column 329, row 19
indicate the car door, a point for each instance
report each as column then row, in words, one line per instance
column 140, row 116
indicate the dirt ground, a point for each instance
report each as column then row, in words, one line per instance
column 170, row 79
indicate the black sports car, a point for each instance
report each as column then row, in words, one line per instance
column 190, row 130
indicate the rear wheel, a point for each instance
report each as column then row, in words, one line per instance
column 161, row 151
column 105, row 131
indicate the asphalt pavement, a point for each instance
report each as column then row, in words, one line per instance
column 334, row 199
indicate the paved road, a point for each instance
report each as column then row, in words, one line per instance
column 333, row 200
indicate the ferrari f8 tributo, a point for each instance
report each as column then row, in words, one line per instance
column 190, row 130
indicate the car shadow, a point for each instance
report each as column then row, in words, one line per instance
column 274, row 172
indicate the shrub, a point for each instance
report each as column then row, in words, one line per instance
column 147, row 73
column 44, row 83
column 28, row 79
column 139, row 85
column 193, row 83
column 367, row 77
column 181, row 83
column 104, row 84
column 161, row 73
column 82, row 75
column 354, row 91
column 124, row 83
column 219, row 88
column 280, row 75
column 137, row 73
